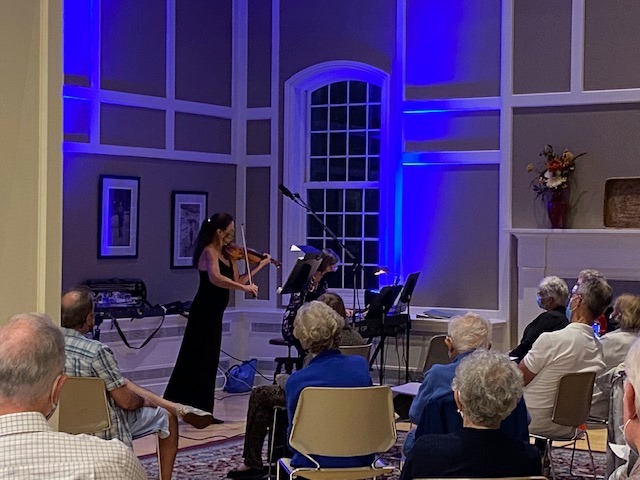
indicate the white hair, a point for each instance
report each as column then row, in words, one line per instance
column 317, row 326
column 556, row 288
column 469, row 331
column 632, row 369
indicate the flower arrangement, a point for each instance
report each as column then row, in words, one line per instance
column 554, row 177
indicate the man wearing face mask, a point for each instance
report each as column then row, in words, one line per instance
column 572, row 349
column 31, row 378
column 552, row 298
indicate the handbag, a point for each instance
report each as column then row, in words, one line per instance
column 240, row 377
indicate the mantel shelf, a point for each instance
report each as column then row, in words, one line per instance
column 573, row 231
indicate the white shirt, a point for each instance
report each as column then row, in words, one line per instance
column 572, row 349
column 29, row 449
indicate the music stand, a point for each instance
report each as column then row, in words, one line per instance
column 402, row 306
column 301, row 272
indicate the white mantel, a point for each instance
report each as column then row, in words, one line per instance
column 564, row 252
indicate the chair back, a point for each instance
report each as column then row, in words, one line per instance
column 535, row 477
column 437, row 353
column 343, row 422
column 362, row 350
column 83, row 406
column 573, row 399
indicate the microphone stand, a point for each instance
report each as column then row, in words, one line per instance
column 356, row 266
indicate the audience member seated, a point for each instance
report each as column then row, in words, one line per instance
column 487, row 387
column 615, row 345
column 631, row 406
column 434, row 408
column 135, row 412
column 31, row 378
column 572, row 349
column 318, row 327
column 552, row 298
column 265, row 397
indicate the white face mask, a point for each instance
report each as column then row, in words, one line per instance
column 621, row 451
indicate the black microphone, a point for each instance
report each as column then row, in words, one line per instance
column 286, row 192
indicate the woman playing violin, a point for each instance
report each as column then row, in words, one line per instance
column 194, row 375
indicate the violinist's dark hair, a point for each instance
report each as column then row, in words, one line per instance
column 217, row 221
column 329, row 257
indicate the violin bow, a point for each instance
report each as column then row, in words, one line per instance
column 246, row 254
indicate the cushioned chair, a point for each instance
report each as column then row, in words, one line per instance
column 362, row 350
column 571, row 409
column 341, row 422
column 83, row 406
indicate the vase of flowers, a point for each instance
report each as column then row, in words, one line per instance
column 552, row 183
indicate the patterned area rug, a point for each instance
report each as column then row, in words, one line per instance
column 213, row 461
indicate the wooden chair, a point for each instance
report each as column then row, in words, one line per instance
column 362, row 350
column 571, row 408
column 341, row 422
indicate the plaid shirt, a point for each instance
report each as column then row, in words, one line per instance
column 30, row 449
column 90, row 358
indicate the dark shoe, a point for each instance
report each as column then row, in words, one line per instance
column 217, row 421
column 195, row 417
column 252, row 473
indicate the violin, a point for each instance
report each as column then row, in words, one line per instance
column 236, row 252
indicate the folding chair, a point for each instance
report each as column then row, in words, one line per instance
column 341, row 422
column 571, row 408
column 362, row 350
column 83, row 406
column 437, row 353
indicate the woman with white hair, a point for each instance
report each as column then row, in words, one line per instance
column 487, row 387
column 318, row 328
column 552, row 297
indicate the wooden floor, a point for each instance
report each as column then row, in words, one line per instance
column 233, row 410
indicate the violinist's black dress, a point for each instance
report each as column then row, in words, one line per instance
column 194, row 375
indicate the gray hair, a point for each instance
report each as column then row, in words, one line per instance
column 469, row 331
column 318, row 327
column 588, row 272
column 489, row 387
column 555, row 288
column 76, row 306
column 629, row 307
column 632, row 369
column 596, row 293
column 31, row 357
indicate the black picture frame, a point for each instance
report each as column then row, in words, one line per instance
column 118, row 218
column 188, row 211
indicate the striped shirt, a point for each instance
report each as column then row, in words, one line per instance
column 91, row 358
column 29, row 449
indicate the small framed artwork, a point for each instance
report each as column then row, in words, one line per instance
column 188, row 211
column 118, row 214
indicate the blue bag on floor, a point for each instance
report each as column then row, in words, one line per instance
column 240, row 377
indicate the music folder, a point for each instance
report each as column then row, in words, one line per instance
column 301, row 272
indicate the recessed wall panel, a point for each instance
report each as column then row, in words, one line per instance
column 258, row 215
column 611, row 45
column 133, row 46
column 542, row 46
column 259, row 54
column 131, row 126
column 450, row 234
column 76, row 119
column 199, row 133
column 203, row 51
column 452, row 130
column 452, row 48
column 258, row 137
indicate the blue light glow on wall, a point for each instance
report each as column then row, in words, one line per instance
column 77, row 41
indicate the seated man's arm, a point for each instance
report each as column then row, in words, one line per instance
column 104, row 366
column 537, row 358
column 527, row 374
column 126, row 399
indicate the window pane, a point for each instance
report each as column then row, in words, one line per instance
column 335, row 246
column 334, row 200
column 371, row 226
column 357, row 145
column 354, row 200
column 357, row 92
column 370, row 280
column 318, row 144
column 338, row 118
column 319, row 118
column 337, row 169
column 320, row 96
column 319, row 244
column 315, row 199
column 374, row 93
column 356, row 169
column 334, row 279
column 353, row 226
column 374, row 169
column 371, row 200
column 314, row 229
column 357, row 117
column 374, row 116
column 355, row 247
column 334, row 222
column 338, row 92
column 338, row 144
column 318, row 170
column 371, row 252
column 374, row 143
column 348, row 276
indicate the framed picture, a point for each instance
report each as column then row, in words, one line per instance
column 188, row 211
column 118, row 229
